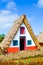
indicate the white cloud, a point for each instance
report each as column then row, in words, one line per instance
column 7, row 18
column 5, row 12
column 11, row 5
column 7, row 15
column 40, row 3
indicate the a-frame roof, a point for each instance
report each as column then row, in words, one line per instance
column 40, row 37
column 10, row 35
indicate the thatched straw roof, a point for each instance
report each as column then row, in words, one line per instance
column 40, row 37
column 10, row 35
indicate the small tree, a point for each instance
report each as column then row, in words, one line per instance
column 2, row 37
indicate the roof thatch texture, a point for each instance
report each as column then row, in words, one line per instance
column 40, row 37
column 31, row 33
column 10, row 35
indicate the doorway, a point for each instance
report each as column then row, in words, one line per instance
column 22, row 43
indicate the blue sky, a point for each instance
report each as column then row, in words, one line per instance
column 10, row 10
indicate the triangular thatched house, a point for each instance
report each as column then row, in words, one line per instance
column 40, row 38
column 20, row 37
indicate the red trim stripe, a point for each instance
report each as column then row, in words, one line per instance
column 32, row 48
column 41, row 44
column 15, row 49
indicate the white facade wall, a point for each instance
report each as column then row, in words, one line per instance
column 27, row 35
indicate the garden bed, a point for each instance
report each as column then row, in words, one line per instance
column 21, row 63
column 36, row 60
column 34, row 57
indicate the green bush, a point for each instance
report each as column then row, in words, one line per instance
column 2, row 37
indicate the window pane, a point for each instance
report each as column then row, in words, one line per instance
column 22, row 30
column 29, row 42
column 15, row 42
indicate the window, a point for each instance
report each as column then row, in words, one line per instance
column 28, row 42
column 22, row 30
column 15, row 42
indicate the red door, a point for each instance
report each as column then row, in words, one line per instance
column 22, row 43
